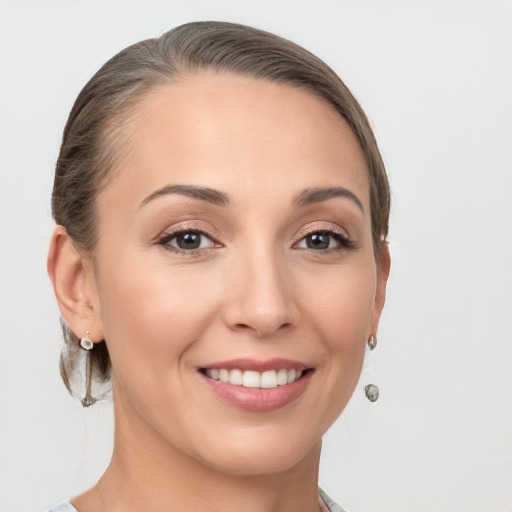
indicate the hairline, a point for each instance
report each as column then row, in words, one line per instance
column 116, row 130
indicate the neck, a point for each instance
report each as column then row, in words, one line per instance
column 146, row 473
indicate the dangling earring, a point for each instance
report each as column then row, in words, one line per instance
column 371, row 390
column 87, row 345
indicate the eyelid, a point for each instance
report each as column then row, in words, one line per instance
column 186, row 225
column 169, row 235
column 316, row 228
column 164, row 238
column 342, row 236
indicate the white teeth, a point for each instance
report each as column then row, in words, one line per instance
column 282, row 377
column 269, row 379
column 236, row 377
column 252, row 379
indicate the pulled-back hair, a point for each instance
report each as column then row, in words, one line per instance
column 94, row 131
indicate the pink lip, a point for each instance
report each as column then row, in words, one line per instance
column 257, row 366
column 258, row 399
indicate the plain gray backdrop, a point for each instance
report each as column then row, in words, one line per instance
column 436, row 81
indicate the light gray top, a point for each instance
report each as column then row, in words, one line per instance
column 64, row 507
column 331, row 505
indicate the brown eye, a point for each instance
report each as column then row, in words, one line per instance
column 187, row 241
column 318, row 241
column 324, row 240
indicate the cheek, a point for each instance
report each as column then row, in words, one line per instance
column 157, row 311
column 343, row 306
column 343, row 319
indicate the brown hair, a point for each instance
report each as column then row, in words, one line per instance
column 95, row 125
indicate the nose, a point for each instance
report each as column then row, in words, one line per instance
column 260, row 296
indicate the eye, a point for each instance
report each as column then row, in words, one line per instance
column 186, row 240
column 323, row 240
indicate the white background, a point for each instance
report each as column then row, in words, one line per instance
column 436, row 80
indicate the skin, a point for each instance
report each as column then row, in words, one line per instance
column 254, row 289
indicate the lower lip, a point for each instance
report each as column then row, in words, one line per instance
column 259, row 399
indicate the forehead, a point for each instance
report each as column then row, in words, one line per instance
column 224, row 130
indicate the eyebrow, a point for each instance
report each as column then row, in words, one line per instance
column 316, row 195
column 202, row 193
column 210, row 195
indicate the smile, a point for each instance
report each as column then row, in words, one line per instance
column 257, row 386
column 254, row 379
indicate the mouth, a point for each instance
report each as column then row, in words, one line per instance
column 257, row 386
column 254, row 379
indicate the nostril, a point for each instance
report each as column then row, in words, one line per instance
column 262, row 328
column 242, row 327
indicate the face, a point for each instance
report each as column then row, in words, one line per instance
column 235, row 278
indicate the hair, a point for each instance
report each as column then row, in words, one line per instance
column 94, row 130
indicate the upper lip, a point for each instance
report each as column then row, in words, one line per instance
column 257, row 366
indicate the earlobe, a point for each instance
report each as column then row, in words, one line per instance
column 74, row 285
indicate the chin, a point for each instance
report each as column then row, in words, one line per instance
column 262, row 453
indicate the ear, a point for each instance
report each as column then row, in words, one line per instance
column 74, row 284
column 383, row 267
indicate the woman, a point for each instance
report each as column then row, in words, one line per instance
column 220, row 256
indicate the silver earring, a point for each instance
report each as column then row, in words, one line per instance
column 371, row 390
column 87, row 345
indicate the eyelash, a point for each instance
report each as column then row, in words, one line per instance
column 341, row 238
column 167, row 237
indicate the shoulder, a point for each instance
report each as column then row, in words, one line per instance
column 332, row 506
column 64, row 507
